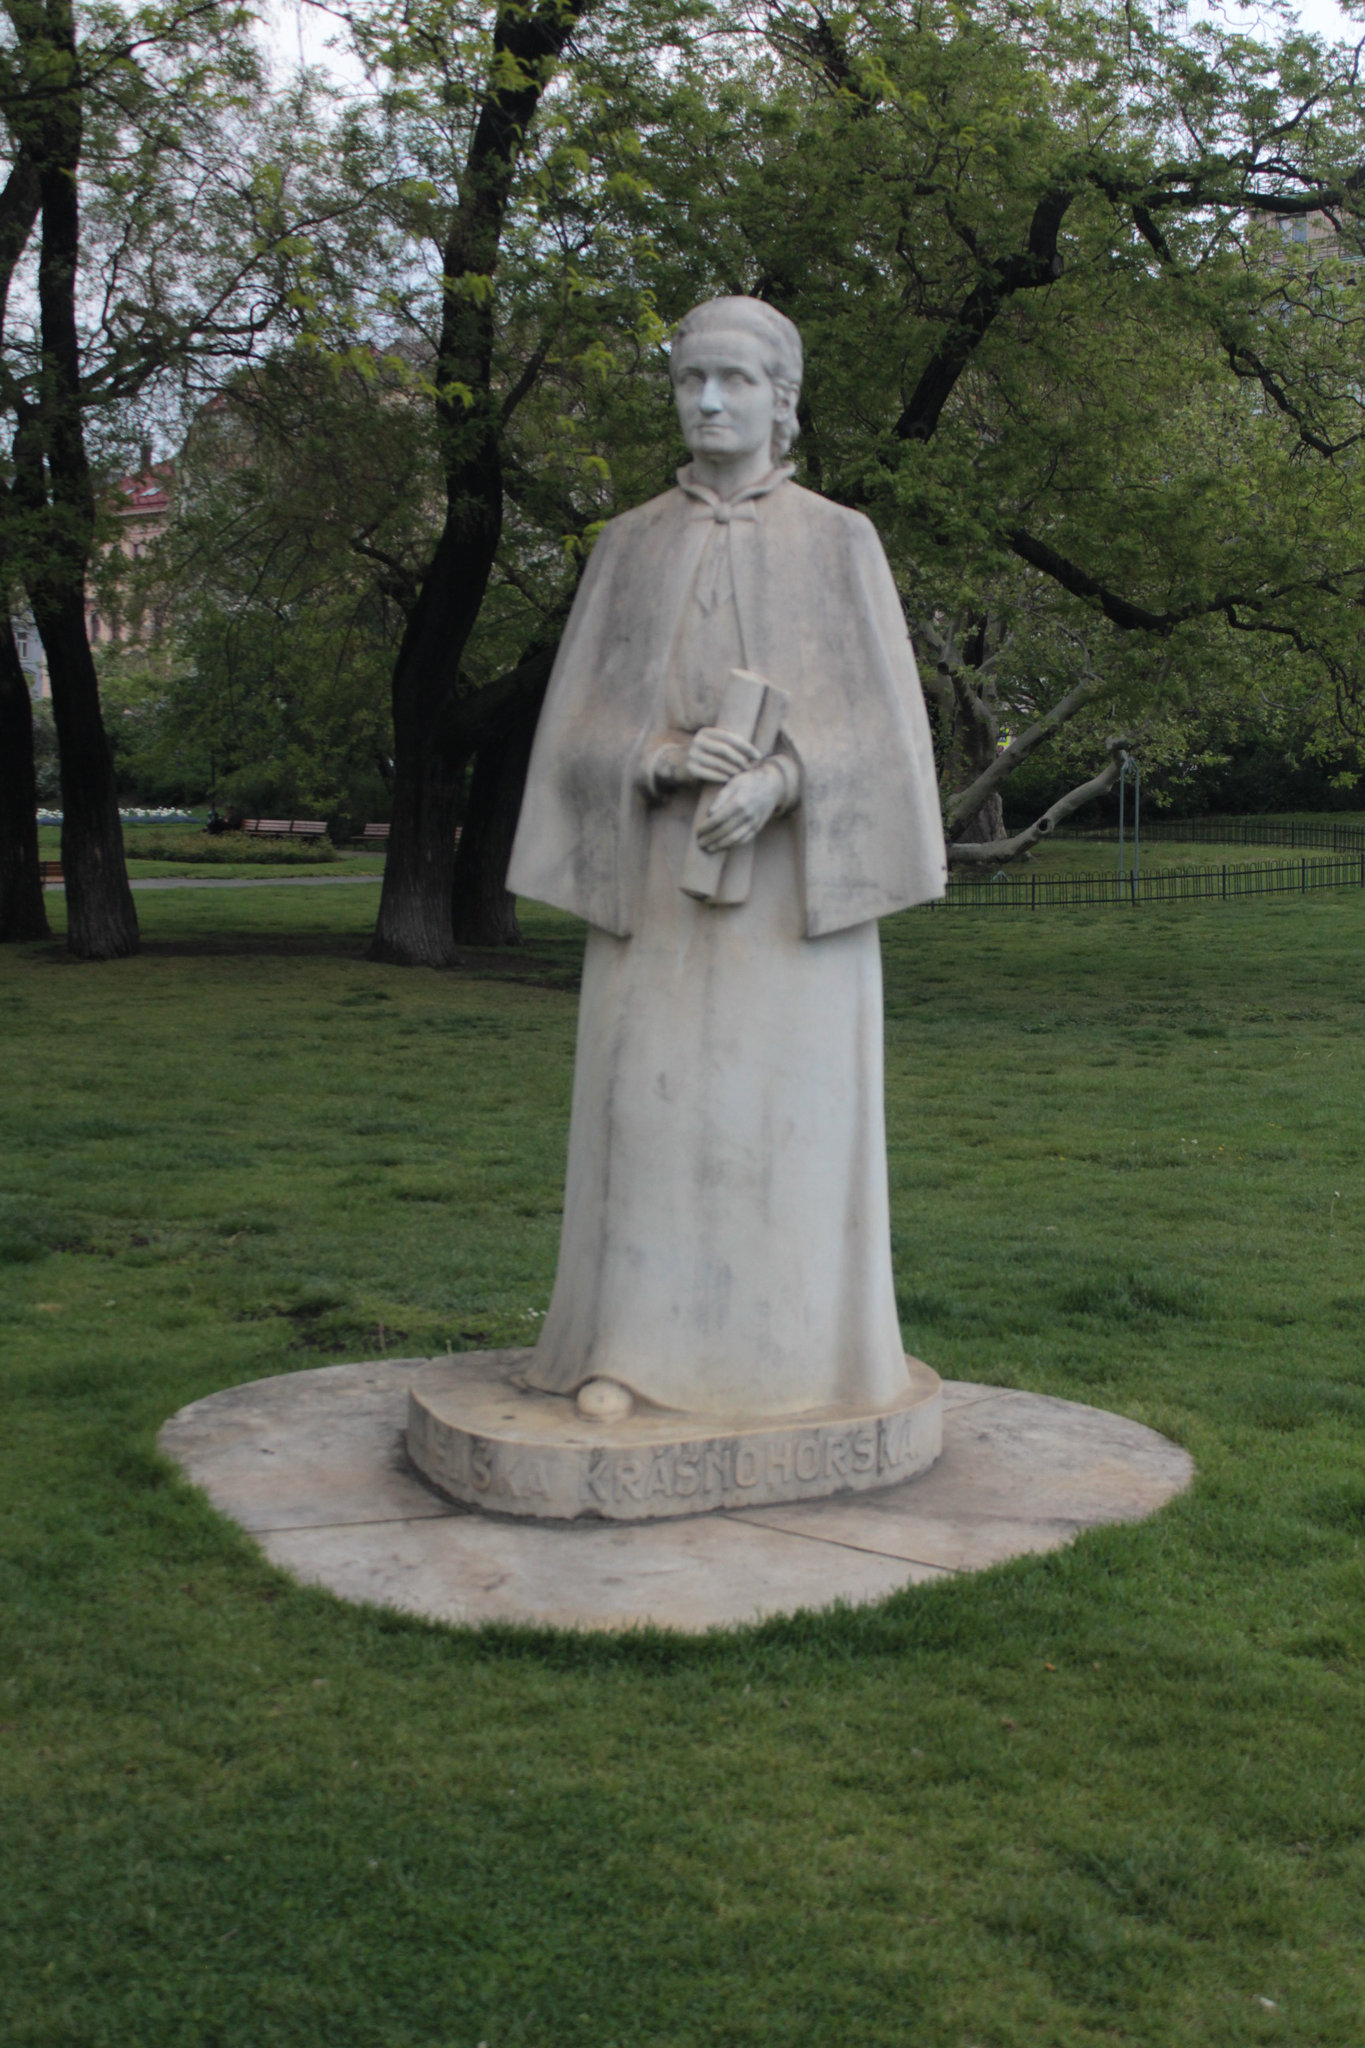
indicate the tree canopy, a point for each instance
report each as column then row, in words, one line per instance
column 158, row 223
column 1081, row 290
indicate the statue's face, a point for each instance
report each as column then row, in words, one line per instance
column 727, row 402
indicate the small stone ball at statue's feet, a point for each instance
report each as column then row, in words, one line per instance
column 605, row 1401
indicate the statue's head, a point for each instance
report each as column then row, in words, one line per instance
column 736, row 367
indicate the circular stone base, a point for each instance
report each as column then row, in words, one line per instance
column 483, row 1437
column 313, row 1465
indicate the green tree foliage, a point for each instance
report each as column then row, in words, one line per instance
column 1062, row 346
column 305, row 497
column 160, row 217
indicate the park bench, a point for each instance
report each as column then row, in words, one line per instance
column 374, row 833
column 284, row 828
column 50, row 871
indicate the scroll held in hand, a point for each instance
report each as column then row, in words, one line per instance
column 751, row 707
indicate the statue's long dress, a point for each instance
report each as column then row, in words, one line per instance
column 726, row 1239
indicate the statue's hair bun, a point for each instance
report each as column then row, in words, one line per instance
column 755, row 316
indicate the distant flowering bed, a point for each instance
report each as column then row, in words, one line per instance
column 162, row 817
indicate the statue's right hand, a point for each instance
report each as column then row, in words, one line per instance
column 663, row 769
column 718, row 756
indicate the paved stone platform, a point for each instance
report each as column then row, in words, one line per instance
column 313, row 1465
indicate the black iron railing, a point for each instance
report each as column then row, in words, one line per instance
column 1169, row 885
column 1289, row 832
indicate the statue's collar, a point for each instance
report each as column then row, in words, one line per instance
column 725, row 509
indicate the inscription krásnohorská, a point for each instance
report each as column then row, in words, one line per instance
column 721, row 1472
column 554, row 1470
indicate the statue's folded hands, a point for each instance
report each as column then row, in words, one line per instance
column 744, row 807
column 718, row 756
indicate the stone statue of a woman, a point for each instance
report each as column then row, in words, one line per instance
column 726, row 1243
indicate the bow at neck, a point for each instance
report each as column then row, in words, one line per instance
column 715, row 583
column 709, row 504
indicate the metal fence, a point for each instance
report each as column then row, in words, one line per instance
column 1171, row 885
column 1157, row 830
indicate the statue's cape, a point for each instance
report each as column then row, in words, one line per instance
column 820, row 618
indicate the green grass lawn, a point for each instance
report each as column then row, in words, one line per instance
column 1092, row 857
column 1111, row 1796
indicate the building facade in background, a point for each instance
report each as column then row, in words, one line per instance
column 140, row 509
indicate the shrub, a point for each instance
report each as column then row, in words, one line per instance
column 222, row 847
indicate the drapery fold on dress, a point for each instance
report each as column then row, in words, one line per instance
column 726, row 1244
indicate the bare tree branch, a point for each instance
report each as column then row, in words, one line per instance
column 1246, row 364
column 1038, row 265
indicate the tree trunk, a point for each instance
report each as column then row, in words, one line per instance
column 984, row 825
column 959, row 686
column 416, row 925
column 52, row 477
column 100, row 917
column 414, row 928
column 23, row 914
column 485, row 912
column 968, row 748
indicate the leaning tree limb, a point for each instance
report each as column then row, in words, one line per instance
column 993, row 853
column 968, row 802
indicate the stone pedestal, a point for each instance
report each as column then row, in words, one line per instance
column 484, row 1439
